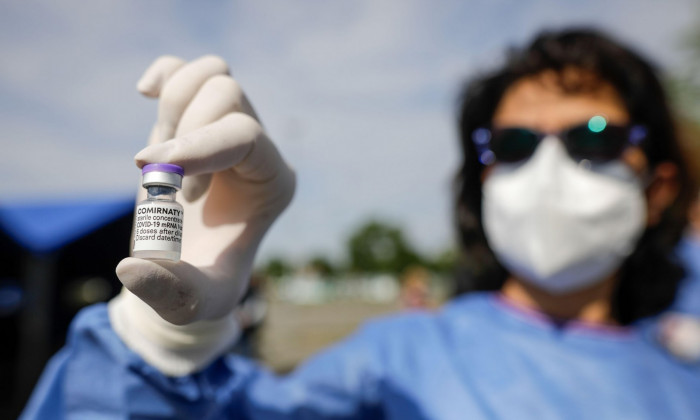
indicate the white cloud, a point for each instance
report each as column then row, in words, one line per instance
column 39, row 163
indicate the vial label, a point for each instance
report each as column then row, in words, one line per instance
column 158, row 227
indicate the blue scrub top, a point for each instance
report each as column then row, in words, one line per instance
column 479, row 357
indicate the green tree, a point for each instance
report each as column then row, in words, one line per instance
column 323, row 266
column 685, row 83
column 277, row 267
column 444, row 263
column 377, row 247
column 684, row 86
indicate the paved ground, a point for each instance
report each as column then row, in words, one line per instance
column 292, row 332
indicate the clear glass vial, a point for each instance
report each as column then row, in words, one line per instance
column 158, row 218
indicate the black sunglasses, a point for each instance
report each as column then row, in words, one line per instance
column 595, row 140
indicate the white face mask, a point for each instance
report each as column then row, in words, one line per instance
column 559, row 226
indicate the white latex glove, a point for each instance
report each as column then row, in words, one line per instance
column 236, row 184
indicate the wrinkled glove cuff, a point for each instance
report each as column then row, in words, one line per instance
column 175, row 350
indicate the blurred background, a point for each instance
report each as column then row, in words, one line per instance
column 359, row 96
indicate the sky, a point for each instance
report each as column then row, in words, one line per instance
column 359, row 96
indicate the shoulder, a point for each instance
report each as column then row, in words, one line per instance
column 425, row 327
column 91, row 335
column 91, row 326
column 401, row 347
column 90, row 317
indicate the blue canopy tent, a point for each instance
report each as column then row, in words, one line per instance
column 42, row 228
column 58, row 256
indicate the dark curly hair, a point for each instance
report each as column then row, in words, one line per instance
column 649, row 278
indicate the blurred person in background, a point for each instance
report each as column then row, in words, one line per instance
column 415, row 289
column 571, row 199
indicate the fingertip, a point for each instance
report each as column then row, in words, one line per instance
column 139, row 159
column 155, row 153
column 218, row 64
column 124, row 264
column 127, row 270
column 133, row 271
column 153, row 79
column 147, row 87
column 136, row 266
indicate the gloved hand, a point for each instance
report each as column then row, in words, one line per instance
column 236, row 184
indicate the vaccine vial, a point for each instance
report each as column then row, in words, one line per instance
column 158, row 218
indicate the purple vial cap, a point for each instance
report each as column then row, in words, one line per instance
column 163, row 167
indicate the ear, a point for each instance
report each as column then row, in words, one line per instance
column 662, row 191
